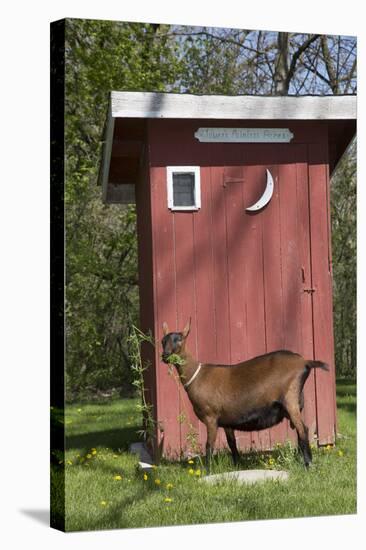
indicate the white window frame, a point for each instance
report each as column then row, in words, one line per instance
column 170, row 170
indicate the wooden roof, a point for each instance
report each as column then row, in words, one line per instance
column 135, row 107
column 168, row 105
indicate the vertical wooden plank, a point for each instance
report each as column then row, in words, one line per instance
column 264, row 436
column 204, row 276
column 322, row 297
column 273, row 291
column 222, row 343
column 234, row 214
column 332, row 372
column 303, row 239
column 236, row 254
column 145, row 268
column 185, row 305
column 290, row 262
column 220, row 260
column 165, row 307
column 252, row 240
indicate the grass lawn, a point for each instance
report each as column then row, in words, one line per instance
column 105, row 490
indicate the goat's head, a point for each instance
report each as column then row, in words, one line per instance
column 174, row 342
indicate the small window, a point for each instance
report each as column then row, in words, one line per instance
column 184, row 187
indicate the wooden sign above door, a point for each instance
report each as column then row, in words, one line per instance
column 244, row 135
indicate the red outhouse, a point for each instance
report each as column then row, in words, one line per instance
column 233, row 222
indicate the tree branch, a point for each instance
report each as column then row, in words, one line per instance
column 295, row 57
column 317, row 73
column 220, row 38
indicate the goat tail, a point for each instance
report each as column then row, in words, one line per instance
column 317, row 365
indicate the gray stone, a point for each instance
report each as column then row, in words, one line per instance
column 247, row 476
column 143, row 454
column 145, row 467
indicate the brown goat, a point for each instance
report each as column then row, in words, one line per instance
column 248, row 396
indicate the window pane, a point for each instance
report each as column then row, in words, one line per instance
column 183, row 189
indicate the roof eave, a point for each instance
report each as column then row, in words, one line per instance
column 220, row 107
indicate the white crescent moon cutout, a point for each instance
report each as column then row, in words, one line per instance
column 266, row 197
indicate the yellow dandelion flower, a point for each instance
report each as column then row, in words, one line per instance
column 145, row 477
column 169, row 485
column 157, row 481
column 88, row 455
column 103, row 503
column 328, row 447
column 117, row 477
column 191, row 471
column 198, row 472
column 340, row 453
column 190, row 461
column 94, row 452
column 69, row 462
column 167, row 499
column 271, row 461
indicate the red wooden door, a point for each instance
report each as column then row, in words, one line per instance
column 269, row 289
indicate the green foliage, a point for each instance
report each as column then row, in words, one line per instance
column 344, row 240
column 175, row 359
column 101, row 247
column 135, row 341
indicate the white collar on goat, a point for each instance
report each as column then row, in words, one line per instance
column 193, row 376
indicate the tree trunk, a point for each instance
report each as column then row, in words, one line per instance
column 281, row 80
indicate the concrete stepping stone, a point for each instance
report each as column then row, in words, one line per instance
column 145, row 462
column 247, row 476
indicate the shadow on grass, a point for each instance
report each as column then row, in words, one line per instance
column 250, row 460
column 347, row 406
column 113, row 517
column 114, row 439
column 116, row 515
column 346, row 382
column 346, row 395
column 346, row 387
column 95, row 402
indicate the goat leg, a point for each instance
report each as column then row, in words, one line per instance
column 211, row 426
column 230, row 436
column 302, row 433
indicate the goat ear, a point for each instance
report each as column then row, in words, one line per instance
column 165, row 328
column 186, row 329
